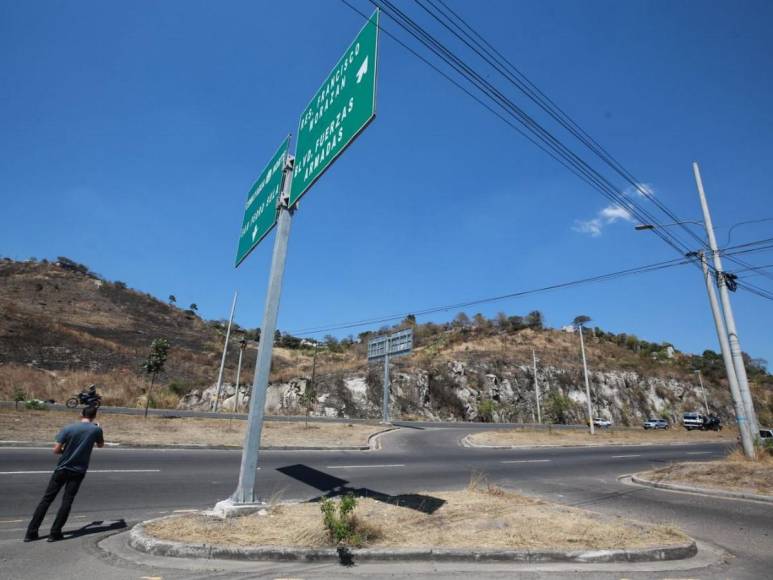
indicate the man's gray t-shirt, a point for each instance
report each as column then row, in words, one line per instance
column 78, row 440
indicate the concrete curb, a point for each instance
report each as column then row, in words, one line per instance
column 635, row 478
column 374, row 444
column 467, row 442
column 142, row 542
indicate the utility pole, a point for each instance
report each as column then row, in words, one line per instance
column 536, row 387
column 242, row 346
column 703, row 390
column 245, row 491
column 225, row 351
column 587, row 382
column 747, row 441
column 732, row 332
column 387, row 345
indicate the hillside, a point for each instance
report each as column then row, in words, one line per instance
column 63, row 327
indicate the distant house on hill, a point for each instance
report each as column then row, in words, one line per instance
column 569, row 328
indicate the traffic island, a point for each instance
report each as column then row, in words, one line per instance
column 482, row 523
column 568, row 437
column 732, row 477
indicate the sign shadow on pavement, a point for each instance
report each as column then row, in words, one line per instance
column 332, row 486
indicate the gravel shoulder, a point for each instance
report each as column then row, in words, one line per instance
column 618, row 436
column 42, row 426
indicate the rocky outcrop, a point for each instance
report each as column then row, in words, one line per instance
column 460, row 390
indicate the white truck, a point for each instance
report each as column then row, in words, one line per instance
column 692, row 420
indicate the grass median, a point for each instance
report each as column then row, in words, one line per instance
column 615, row 436
column 25, row 425
column 734, row 473
column 480, row 517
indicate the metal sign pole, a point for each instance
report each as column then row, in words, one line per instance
column 386, row 380
column 245, row 491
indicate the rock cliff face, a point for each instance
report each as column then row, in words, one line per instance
column 473, row 392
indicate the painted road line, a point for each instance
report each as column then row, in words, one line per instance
column 623, row 456
column 90, row 471
column 700, row 452
column 363, row 466
column 10, row 521
column 184, row 511
column 527, row 461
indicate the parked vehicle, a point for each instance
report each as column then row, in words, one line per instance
column 712, row 423
column 692, row 420
column 766, row 435
column 656, row 424
column 603, row 423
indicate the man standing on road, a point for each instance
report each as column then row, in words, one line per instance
column 74, row 443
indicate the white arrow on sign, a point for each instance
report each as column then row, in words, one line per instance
column 363, row 70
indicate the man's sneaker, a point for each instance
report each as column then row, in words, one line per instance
column 31, row 537
column 54, row 537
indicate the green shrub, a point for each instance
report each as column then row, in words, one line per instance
column 35, row 405
column 340, row 522
column 179, row 388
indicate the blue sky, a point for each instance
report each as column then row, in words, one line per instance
column 131, row 133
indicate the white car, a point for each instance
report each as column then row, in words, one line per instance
column 599, row 422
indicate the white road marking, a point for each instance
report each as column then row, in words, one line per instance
column 184, row 511
column 527, row 461
column 622, row 456
column 10, row 521
column 699, row 452
column 90, row 471
column 359, row 466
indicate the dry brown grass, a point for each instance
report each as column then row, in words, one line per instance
column 525, row 437
column 24, row 425
column 483, row 516
column 734, row 473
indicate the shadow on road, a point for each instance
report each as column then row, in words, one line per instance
column 95, row 527
column 335, row 486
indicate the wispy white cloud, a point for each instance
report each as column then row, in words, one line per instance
column 612, row 213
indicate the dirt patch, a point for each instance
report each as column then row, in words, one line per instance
column 620, row 436
column 483, row 517
column 736, row 473
column 26, row 425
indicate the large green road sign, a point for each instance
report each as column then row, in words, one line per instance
column 342, row 107
column 260, row 208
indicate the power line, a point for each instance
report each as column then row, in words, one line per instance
column 578, row 165
column 476, row 42
column 435, row 309
column 444, row 308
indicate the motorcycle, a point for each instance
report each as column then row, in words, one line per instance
column 85, row 399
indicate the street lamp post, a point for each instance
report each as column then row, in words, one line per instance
column 587, row 382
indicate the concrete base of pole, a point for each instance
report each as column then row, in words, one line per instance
column 227, row 508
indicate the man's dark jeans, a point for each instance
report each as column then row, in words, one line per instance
column 71, row 481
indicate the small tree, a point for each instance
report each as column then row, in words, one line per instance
column 18, row 396
column 486, row 410
column 581, row 319
column 172, row 299
column 308, row 399
column 194, row 307
column 159, row 350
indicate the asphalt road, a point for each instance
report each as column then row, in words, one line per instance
column 136, row 484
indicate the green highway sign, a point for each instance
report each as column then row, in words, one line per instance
column 260, row 208
column 340, row 110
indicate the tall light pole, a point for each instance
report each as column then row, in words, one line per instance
column 536, row 387
column 703, row 390
column 587, row 382
column 225, row 351
column 732, row 332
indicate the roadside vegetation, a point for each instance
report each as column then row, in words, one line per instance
column 615, row 436
column 42, row 426
column 483, row 516
column 734, row 473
